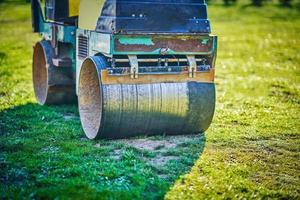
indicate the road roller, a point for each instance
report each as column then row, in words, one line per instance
column 134, row 67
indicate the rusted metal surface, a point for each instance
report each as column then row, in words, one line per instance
column 175, row 43
column 206, row 77
column 127, row 109
column 154, row 60
column 155, row 70
column 52, row 85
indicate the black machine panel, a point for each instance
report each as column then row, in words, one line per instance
column 58, row 10
column 154, row 16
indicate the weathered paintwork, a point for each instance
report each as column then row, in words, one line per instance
column 109, row 45
column 179, row 44
column 205, row 77
column 183, row 44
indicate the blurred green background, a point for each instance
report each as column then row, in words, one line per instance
column 251, row 150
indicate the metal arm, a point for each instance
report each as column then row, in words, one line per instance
column 36, row 15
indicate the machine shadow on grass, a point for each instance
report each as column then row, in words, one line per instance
column 44, row 154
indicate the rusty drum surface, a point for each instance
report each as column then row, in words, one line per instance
column 52, row 85
column 123, row 110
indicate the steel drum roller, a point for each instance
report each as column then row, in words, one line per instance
column 122, row 110
column 52, row 85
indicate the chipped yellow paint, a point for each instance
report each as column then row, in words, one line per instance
column 89, row 12
column 73, row 8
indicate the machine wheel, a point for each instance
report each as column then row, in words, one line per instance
column 52, row 85
column 123, row 110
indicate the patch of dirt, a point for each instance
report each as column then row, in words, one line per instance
column 116, row 155
column 70, row 117
column 160, row 145
column 151, row 145
column 161, row 160
column 179, row 139
column 97, row 145
column 163, row 176
column 83, row 139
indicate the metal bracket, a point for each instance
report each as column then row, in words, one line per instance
column 134, row 66
column 192, row 66
column 62, row 62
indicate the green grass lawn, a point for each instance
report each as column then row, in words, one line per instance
column 252, row 149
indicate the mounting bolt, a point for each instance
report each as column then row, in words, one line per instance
column 164, row 50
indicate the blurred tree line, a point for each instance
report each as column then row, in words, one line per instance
column 285, row 3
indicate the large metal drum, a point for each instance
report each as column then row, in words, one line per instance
column 122, row 110
column 52, row 85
